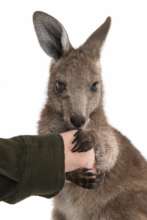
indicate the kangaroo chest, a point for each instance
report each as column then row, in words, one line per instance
column 78, row 204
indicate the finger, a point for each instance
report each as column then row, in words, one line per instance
column 76, row 133
column 87, row 174
column 75, row 148
column 85, row 181
column 82, row 148
column 90, row 174
column 85, row 169
column 75, row 140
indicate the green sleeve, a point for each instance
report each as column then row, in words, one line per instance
column 34, row 165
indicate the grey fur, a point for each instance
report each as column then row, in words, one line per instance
column 123, row 192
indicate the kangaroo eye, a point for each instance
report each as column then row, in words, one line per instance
column 94, row 86
column 60, row 87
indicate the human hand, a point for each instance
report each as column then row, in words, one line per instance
column 79, row 166
column 76, row 160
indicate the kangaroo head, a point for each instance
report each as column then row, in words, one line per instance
column 75, row 85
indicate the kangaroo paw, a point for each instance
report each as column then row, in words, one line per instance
column 84, row 178
column 84, row 141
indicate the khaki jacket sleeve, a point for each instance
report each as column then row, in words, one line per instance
column 31, row 165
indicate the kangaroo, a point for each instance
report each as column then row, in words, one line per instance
column 75, row 101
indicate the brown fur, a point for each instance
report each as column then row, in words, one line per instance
column 123, row 192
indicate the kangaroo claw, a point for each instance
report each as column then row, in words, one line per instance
column 83, row 178
column 84, row 141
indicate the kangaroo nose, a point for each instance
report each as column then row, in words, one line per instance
column 77, row 120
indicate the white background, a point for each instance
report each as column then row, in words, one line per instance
column 24, row 72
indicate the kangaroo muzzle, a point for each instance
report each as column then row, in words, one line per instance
column 77, row 120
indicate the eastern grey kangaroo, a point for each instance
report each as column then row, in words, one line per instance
column 75, row 101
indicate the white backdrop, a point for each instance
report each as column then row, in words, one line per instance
column 24, row 72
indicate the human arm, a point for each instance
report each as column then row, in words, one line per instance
column 36, row 165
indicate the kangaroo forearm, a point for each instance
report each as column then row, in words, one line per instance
column 105, row 144
column 107, row 149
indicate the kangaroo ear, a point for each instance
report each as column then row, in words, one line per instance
column 51, row 35
column 95, row 42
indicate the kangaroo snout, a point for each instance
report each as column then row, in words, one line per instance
column 77, row 120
